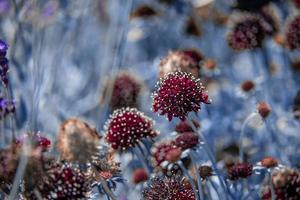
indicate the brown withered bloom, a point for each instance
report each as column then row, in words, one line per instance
column 247, row 85
column 205, row 171
column 264, row 109
column 77, row 141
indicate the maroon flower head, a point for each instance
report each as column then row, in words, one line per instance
column 38, row 141
column 160, row 151
column 168, row 189
column 187, row 140
column 184, row 126
column 140, row 175
column 178, row 94
column 239, row 170
column 297, row 3
column 247, row 34
column 205, row 171
column 293, row 33
column 286, row 184
column 126, row 127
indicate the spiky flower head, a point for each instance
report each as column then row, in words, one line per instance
column 125, row 89
column 77, row 141
column 126, row 127
column 286, row 184
column 168, row 189
column 185, row 126
column 293, row 33
column 186, row 60
column 239, row 170
column 178, row 94
column 64, row 182
column 247, row 34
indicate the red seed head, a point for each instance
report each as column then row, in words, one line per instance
column 178, row 94
column 264, row 109
column 293, row 33
column 184, row 126
column 139, row 175
column 239, row 170
column 126, row 127
column 187, row 140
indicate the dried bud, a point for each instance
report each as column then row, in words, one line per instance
column 247, row 85
column 205, row 171
column 264, row 109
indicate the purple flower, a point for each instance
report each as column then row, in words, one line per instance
column 6, row 107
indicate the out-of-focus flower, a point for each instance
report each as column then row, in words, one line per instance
column 186, row 60
column 37, row 141
column 247, row 34
column 139, row 175
column 296, row 106
column 296, row 65
column 187, row 140
column 5, row 6
column 160, row 151
column 264, row 109
column 297, row 3
column 184, row 126
column 77, row 141
column 178, row 94
column 286, row 184
column 126, row 90
column 247, row 85
column 293, row 33
column 168, row 189
column 126, row 127
column 6, row 107
column 143, row 11
column 174, row 155
column 239, row 170
column 192, row 28
column 269, row 162
column 205, row 171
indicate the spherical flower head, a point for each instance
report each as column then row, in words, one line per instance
column 247, row 85
column 178, row 94
column 168, row 189
column 174, row 155
column 205, row 171
column 264, row 109
column 126, row 90
column 187, row 140
column 293, row 33
column 65, row 182
column 184, row 126
column 126, row 127
column 239, row 170
column 186, row 60
column 3, row 48
column 77, row 141
column 269, row 162
column 247, row 34
column 286, row 184
column 139, row 175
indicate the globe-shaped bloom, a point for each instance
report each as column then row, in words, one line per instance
column 126, row 127
column 178, row 94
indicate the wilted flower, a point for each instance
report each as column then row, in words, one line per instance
column 126, row 90
column 264, row 109
column 178, row 94
column 126, row 127
column 286, row 184
column 247, row 34
column 77, row 141
column 293, row 33
column 168, row 189
column 187, row 140
column 269, row 162
column 186, row 60
column 143, row 11
column 239, row 170
column 139, row 175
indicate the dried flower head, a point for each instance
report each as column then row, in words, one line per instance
column 286, row 184
column 126, row 127
column 139, row 175
column 239, row 170
column 264, row 109
column 187, row 140
column 293, row 33
column 186, row 60
column 178, row 94
column 126, row 90
column 77, row 141
column 269, row 162
column 247, row 85
column 247, row 34
column 143, row 11
column 205, row 171
column 184, row 126
column 168, row 189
